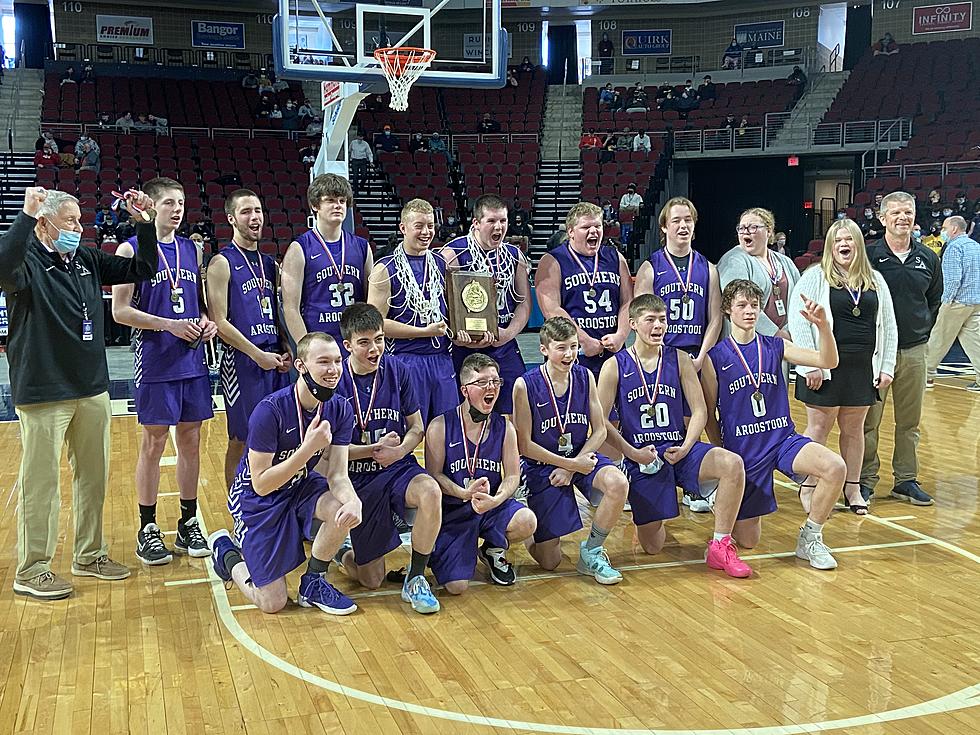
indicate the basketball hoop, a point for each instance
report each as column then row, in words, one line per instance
column 402, row 67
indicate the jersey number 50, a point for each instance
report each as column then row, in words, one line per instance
column 681, row 311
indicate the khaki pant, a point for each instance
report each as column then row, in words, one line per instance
column 955, row 321
column 44, row 429
column 907, row 390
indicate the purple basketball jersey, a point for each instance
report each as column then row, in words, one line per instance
column 393, row 401
column 160, row 357
column 665, row 427
column 596, row 315
column 276, row 428
column 400, row 311
column 487, row 460
column 686, row 320
column 325, row 296
column 252, row 300
column 749, row 427
column 545, row 430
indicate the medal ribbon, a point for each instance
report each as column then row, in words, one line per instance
column 175, row 280
column 652, row 398
column 595, row 266
column 299, row 414
column 554, row 399
column 339, row 270
column 855, row 298
column 261, row 273
column 363, row 418
column 471, row 466
column 757, row 382
column 685, row 282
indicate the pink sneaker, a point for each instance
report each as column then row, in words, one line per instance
column 723, row 555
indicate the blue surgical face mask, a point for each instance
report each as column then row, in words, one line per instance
column 67, row 241
column 944, row 236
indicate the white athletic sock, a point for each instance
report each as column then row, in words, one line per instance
column 812, row 528
column 720, row 536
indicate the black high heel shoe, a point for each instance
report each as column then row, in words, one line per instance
column 861, row 508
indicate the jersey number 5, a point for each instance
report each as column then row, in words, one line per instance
column 592, row 306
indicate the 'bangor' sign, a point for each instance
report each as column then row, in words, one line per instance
column 647, row 43
column 767, row 34
column 217, row 34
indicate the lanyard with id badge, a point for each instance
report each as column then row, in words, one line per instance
column 650, row 408
column 88, row 327
column 774, row 270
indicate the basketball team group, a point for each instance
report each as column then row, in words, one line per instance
column 634, row 373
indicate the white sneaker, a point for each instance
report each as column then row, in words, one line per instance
column 810, row 546
column 697, row 505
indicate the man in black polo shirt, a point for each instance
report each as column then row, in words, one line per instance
column 915, row 279
column 59, row 379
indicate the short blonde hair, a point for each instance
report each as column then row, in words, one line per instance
column 675, row 202
column 580, row 210
column 767, row 217
column 859, row 275
column 415, row 206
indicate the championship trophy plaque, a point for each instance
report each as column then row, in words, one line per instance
column 471, row 299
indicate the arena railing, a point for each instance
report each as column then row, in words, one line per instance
column 903, row 170
column 692, row 63
column 822, row 136
column 69, row 129
column 99, row 53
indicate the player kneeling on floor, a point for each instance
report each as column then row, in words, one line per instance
column 385, row 474
column 277, row 494
column 648, row 384
column 472, row 453
column 743, row 381
column 560, row 427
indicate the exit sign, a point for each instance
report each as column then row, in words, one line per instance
column 793, row 161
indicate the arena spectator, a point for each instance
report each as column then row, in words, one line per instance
column 438, row 145
column 265, row 84
column 46, row 157
column 606, row 51
column 642, row 142
column 589, row 139
column 275, row 113
column 933, row 239
column 161, row 125
column 278, row 85
column 69, row 76
column 488, row 124
column 519, row 232
column 959, row 313
column 975, row 222
column 361, row 156
column 450, row 229
column 885, row 46
column 290, row 116
column 314, row 129
column 616, row 103
column 630, row 201
column 264, row 107
column 250, row 81
column 125, row 123
column 606, row 94
column 59, row 381
column 732, row 58
column 47, row 140
column 781, row 243
column 387, row 141
column 685, row 103
column 142, row 124
column 85, row 144
column 106, row 222
column 560, row 235
column 417, row 143
column 871, row 227
column 796, row 77
column 669, row 101
column 730, row 123
column 609, row 214
column 88, row 74
column 707, row 89
column 306, row 113
column 961, row 206
column 526, row 65
column 625, row 140
column 913, row 274
column 858, row 305
column 90, row 160
column 637, row 100
column 512, row 79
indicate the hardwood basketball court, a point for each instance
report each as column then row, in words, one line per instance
column 888, row 643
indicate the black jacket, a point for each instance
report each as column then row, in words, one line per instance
column 49, row 360
column 916, row 287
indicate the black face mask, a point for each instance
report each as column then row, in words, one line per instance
column 321, row 392
column 477, row 415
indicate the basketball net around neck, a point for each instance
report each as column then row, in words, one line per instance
column 424, row 299
column 503, row 266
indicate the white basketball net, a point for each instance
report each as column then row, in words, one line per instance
column 402, row 67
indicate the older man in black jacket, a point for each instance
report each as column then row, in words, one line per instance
column 59, row 378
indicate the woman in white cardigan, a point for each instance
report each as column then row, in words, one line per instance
column 755, row 259
column 859, row 308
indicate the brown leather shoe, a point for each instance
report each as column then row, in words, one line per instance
column 45, row 586
column 102, row 568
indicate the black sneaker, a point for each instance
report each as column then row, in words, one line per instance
column 501, row 571
column 190, row 540
column 402, row 528
column 150, row 547
column 910, row 491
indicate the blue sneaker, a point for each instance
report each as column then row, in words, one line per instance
column 315, row 591
column 417, row 592
column 911, row 492
column 221, row 543
column 595, row 563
